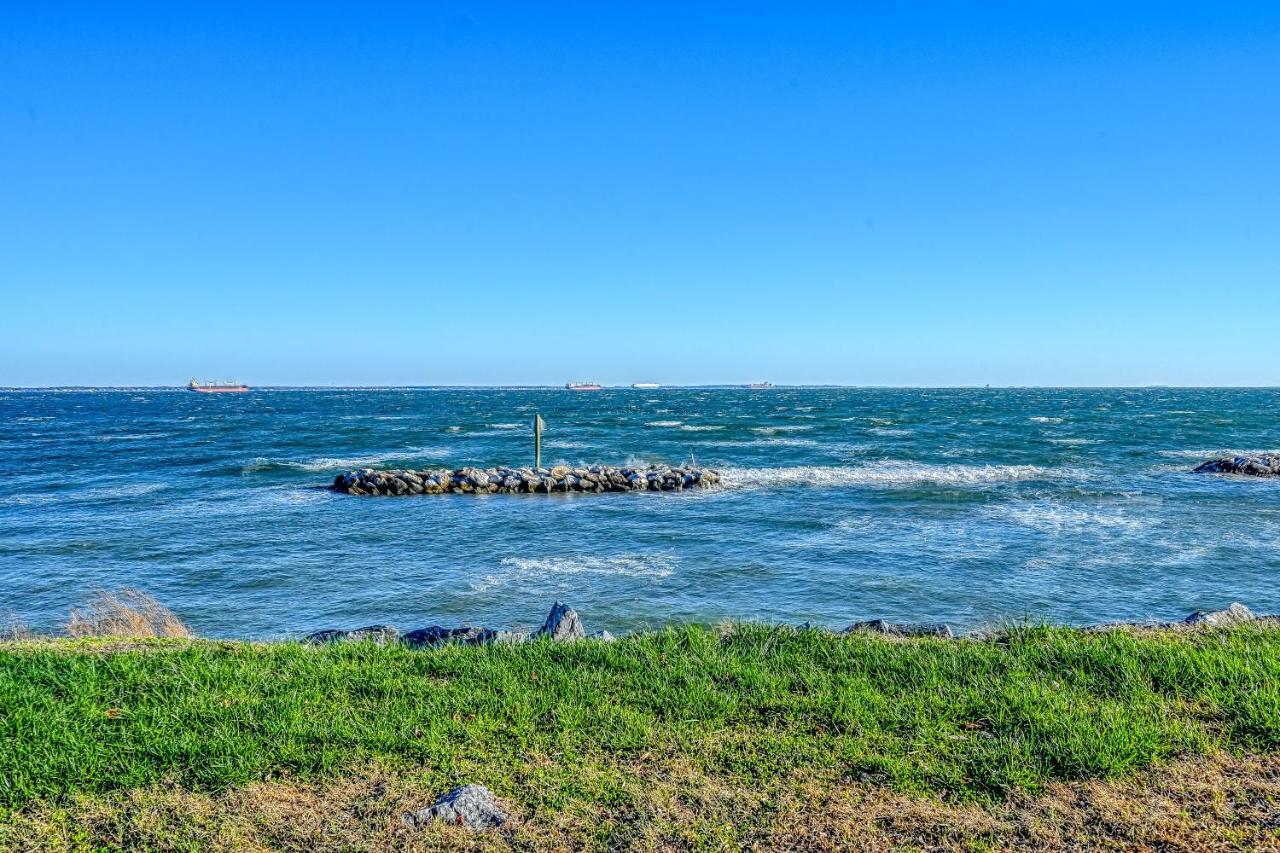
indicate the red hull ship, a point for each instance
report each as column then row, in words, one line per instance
column 217, row 387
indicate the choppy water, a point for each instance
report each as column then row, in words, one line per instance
column 965, row 506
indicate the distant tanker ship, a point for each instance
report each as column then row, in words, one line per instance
column 216, row 387
column 583, row 386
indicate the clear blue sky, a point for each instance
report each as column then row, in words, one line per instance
column 862, row 193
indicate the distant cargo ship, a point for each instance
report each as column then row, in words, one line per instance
column 583, row 386
column 216, row 387
column 645, row 385
column 760, row 385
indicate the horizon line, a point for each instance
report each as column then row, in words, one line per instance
column 660, row 387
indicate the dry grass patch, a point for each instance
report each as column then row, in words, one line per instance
column 129, row 613
column 1218, row 802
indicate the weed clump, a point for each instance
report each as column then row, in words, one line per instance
column 127, row 613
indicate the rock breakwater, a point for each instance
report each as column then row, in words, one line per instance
column 561, row 478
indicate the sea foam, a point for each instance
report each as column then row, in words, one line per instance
column 888, row 474
column 526, row 569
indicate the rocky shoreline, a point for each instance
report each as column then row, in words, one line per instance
column 563, row 624
column 558, row 479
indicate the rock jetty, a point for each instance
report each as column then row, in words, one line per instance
column 561, row 478
column 1266, row 465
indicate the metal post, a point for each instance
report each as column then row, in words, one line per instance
column 537, row 440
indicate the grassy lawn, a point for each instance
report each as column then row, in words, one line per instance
column 702, row 733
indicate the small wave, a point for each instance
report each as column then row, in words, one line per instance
column 783, row 441
column 1044, row 419
column 664, row 423
column 504, row 426
column 525, row 569
column 570, row 445
column 334, row 463
column 132, row 436
column 1058, row 518
column 774, row 430
column 701, row 427
column 890, row 474
column 1210, row 454
column 97, row 494
column 887, row 431
column 1075, row 442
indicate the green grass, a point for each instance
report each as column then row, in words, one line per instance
column 967, row 719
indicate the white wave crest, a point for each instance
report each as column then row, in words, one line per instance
column 886, row 474
column 336, row 463
column 504, row 426
column 774, row 430
column 1212, row 454
column 701, row 427
column 664, row 423
column 1060, row 518
column 526, row 569
column 1044, row 419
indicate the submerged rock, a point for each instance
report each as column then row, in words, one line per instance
column 472, row 806
column 1266, row 465
column 900, row 629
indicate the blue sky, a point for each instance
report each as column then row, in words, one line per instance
column 856, row 193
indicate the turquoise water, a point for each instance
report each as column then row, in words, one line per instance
column 962, row 505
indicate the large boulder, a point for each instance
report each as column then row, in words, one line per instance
column 899, row 629
column 472, row 806
column 438, row 636
column 1265, row 465
column 1233, row 615
column 563, row 625
column 381, row 634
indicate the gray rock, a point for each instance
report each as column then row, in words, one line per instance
column 378, row 633
column 1233, row 615
column 1266, row 465
column 471, row 806
column 438, row 636
column 328, row 635
column 900, row 629
column 562, row 625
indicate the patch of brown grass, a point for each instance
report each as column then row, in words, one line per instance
column 129, row 613
column 1213, row 803
column 13, row 628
